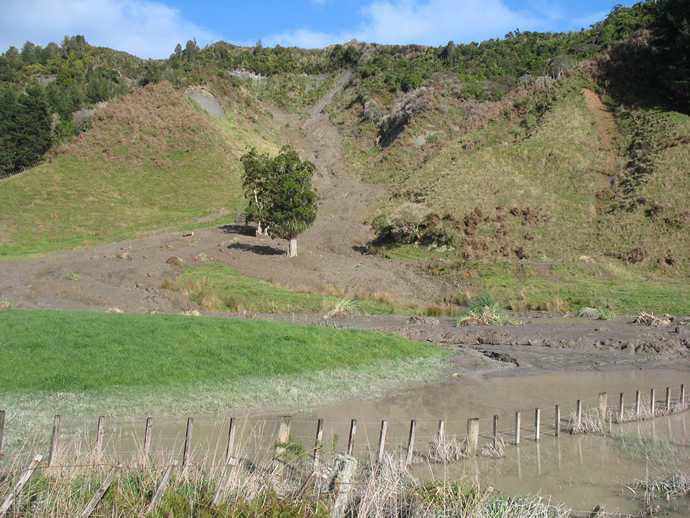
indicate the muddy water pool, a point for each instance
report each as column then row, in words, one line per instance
column 581, row 470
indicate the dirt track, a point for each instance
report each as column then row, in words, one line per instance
column 330, row 253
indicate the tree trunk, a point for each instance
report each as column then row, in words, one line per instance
column 292, row 247
column 261, row 232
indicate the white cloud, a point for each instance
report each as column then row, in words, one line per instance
column 430, row 22
column 140, row 27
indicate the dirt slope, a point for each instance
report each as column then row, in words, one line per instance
column 330, row 252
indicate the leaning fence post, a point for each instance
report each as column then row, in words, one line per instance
column 101, row 491
column 161, row 488
column 230, row 450
column 441, row 431
column 517, row 427
column 18, row 488
column 351, row 438
column 99, row 438
column 318, row 443
column 382, row 441
column 472, row 436
column 54, row 440
column 410, row 442
column 187, row 443
column 147, row 439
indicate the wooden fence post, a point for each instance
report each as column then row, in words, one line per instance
column 441, row 431
column 637, row 404
column 621, row 409
column 99, row 439
column 382, row 441
column 557, row 421
column 161, row 488
column 681, row 398
column 54, row 440
column 318, row 445
column 187, row 443
column 281, row 443
column 343, row 469
column 472, row 436
column 230, row 450
column 652, row 402
column 517, row 428
column 410, row 442
column 495, row 434
column 101, row 491
column 668, row 400
column 351, row 438
column 18, row 487
column 147, row 440
column 537, row 424
column 229, row 463
column 603, row 408
column 578, row 415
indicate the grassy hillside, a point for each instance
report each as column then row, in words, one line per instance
column 533, row 177
column 151, row 161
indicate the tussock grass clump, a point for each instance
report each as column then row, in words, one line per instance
column 587, row 312
column 446, row 449
column 677, row 485
column 590, row 422
column 344, row 308
column 649, row 319
column 483, row 310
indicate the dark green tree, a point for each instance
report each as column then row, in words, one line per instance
column 671, row 41
column 8, row 127
column 34, row 136
column 280, row 192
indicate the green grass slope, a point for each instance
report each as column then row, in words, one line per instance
column 133, row 364
column 152, row 160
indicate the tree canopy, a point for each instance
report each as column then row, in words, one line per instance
column 280, row 194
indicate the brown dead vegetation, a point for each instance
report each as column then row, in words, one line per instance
column 146, row 125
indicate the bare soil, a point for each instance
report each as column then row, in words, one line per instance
column 129, row 275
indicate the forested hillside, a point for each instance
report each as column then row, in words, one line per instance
column 496, row 149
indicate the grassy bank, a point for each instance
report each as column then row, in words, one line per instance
column 81, row 364
column 217, row 287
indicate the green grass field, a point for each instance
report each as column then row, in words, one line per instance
column 81, row 363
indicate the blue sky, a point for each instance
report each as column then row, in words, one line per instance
column 152, row 28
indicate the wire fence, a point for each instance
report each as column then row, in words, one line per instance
column 293, row 449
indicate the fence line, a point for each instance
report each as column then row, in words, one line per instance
column 259, row 437
column 392, row 436
column 22, row 169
